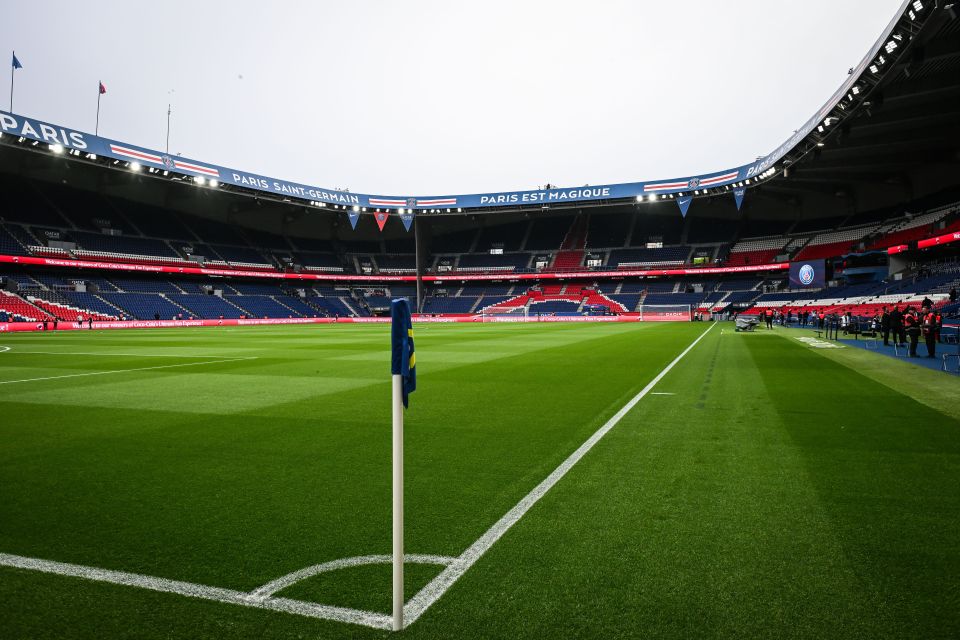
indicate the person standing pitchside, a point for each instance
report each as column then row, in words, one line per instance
column 885, row 326
column 929, row 328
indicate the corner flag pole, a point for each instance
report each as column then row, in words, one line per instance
column 397, row 502
column 403, row 369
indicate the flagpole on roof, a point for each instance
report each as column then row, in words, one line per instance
column 168, row 128
column 13, row 69
column 96, row 127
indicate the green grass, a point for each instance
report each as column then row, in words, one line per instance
column 779, row 492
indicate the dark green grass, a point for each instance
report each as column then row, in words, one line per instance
column 779, row 493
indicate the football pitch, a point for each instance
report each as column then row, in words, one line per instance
column 594, row 480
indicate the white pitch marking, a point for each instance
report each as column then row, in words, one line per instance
column 217, row 594
column 132, row 355
column 104, row 373
column 4, row 349
column 439, row 585
column 283, row 582
column 662, row 393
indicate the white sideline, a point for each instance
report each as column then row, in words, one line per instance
column 262, row 597
column 439, row 585
column 104, row 373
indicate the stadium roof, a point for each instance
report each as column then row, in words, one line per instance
column 888, row 135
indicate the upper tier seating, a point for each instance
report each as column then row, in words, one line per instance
column 9, row 245
column 664, row 256
column 505, row 236
column 123, row 244
column 608, row 231
column 396, row 264
column 491, row 262
column 546, row 234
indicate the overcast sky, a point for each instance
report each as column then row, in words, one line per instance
column 413, row 97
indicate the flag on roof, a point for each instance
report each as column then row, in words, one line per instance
column 16, row 63
column 103, row 89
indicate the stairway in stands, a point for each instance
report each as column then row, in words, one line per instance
column 571, row 252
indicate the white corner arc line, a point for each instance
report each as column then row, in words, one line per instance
column 439, row 585
column 283, row 582
column 104, row 373
column 217, row 594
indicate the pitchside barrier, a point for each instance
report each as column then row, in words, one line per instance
column 649, row 313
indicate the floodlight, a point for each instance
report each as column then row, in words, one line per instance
column 56, row 148
column 134, row 166
column 199, row 180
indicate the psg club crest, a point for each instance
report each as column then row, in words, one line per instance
column 694, row 183
column 381, row 218
column 806, row 274
column 411, row 202
column 167, row 161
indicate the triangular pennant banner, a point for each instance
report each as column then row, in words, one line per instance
column 406, row 219
column 738, row 194
column 381, row 217
column 684, row 203
column 354, row 218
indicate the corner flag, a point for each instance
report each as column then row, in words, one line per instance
column 404, row 361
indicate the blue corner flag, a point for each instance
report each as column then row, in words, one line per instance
column 16, row 63
column 404, row 359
